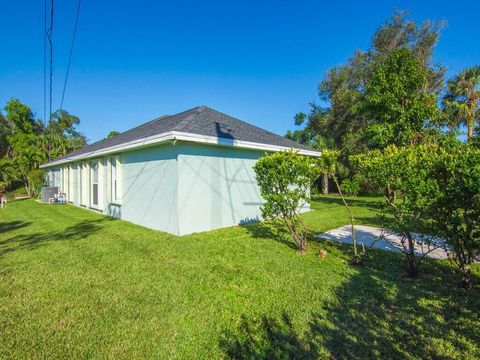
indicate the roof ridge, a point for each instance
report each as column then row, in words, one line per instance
column 190, row 118
column 246, row 123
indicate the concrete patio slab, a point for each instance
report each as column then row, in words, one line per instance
column 385, row 240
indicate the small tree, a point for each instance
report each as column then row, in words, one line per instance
column 27, row 156
column 327, row 167
column 456, row 210
column 284, row 179
column 404, row 174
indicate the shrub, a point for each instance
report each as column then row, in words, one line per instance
column 350, row 187
column 455, row 212
column 284, row 179
column 409, row 189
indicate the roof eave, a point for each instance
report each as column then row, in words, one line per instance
column 182, row 136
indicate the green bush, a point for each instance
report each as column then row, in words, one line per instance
column 350, row 187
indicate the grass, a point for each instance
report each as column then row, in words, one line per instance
column 77, row 284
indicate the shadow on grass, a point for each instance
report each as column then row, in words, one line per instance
column 78, row 231
column 12, row 225
column 270, row 230
column 372, row 315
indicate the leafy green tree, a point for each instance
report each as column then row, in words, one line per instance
column 27, row 155
column 462, row 100
column 8, row 173
column 327, row 166
column 404, row 175
column 25, row 143
column 343, row 87
column 284, row 179
column 396, row 101
column 456, row 209
column 61, row 135
column 4, row 132
column 20, row 119
column 113, row 133
column 340, row 121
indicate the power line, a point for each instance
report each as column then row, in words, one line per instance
column 71, row 51
column 49, row 35
column 45, row 62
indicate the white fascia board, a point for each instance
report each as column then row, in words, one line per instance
column 238, row 143
column 175, row 135
column 155, row 139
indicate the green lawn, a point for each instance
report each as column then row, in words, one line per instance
column 76, row 284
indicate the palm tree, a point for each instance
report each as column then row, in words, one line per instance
column 462, row 100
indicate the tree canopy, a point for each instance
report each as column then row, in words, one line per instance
column 339, row 120
column 462, row 100
column 25, row 143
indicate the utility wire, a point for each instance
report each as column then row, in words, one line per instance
column 45, row 62
column 71, row 51
column 49, row 35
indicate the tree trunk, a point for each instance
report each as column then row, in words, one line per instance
column 466, row 270
column 325, row 184
column 302, row 245
column 470, row 130
column 352, row 219
column 412, row 269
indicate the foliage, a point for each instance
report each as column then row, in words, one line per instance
column 27, row 155
column 350, row 187
column 327, row 165
column 341, row 123
column 62, row 135
column 462, row 100
column 284, row 179
column 19, row 119
column 396, row 102
column 404, row 176
column 7, row 173
column 25, row 143
column 113, row 133
column 456, row 209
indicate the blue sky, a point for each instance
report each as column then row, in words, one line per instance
column 260, row 61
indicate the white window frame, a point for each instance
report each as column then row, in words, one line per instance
column 93, row 183
column 115, row 183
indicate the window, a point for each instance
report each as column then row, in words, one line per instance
column 94, row 182
column 115, row 191
column 114, row 186
column 66, row 189
column 80, row 183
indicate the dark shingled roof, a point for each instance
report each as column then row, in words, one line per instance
column 201, row 120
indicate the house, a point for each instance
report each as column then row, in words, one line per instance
column 183, row 173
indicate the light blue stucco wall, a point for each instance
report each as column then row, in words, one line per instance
column 149, row 180
column 180, row 189
column 217, row 187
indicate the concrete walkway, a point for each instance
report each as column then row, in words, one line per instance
column 387, row 240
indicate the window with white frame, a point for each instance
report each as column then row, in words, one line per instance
column 94, row 182
column 80, row 183
column 114, row 186
column 64, row 174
